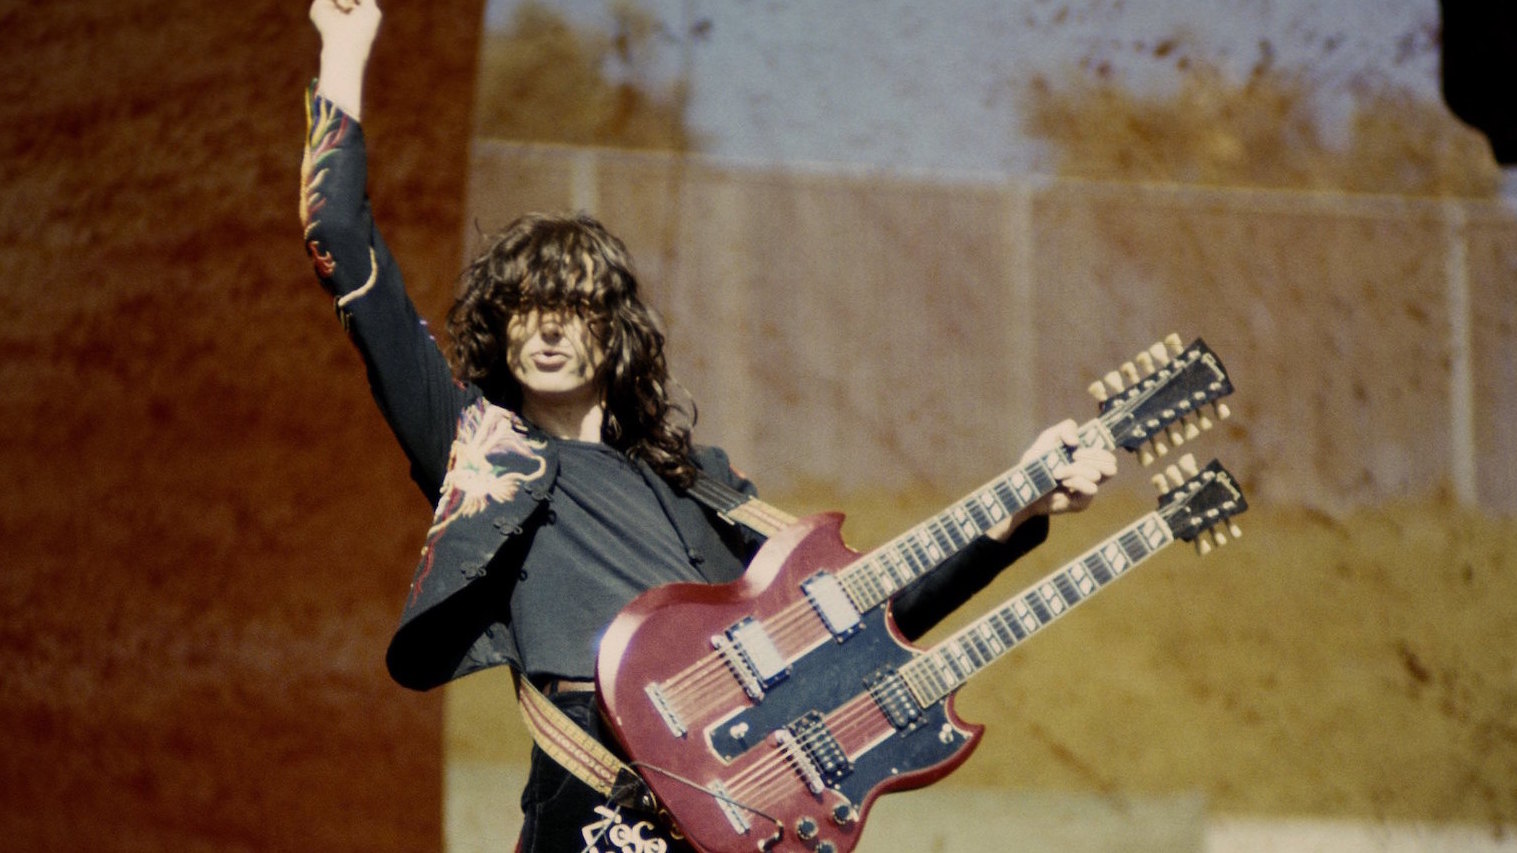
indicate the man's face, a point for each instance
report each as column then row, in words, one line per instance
column 553, row 354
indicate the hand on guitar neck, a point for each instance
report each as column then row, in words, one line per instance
column 1077, row 480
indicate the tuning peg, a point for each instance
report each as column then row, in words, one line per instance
column 1130, row 372
column 1176, row 479
column 1176, row 435
column 1234, row 529
column 1160, row 355
column 1218, row 536
column 1098, row 391
column 1114, row 382
column 1191, row 430
column 1146, row 456
column 1145, row 363
column 1188, row 466
column 1203, row 545
column 1221, row 410
column 1160, row 483
column 1172, row 341
column 1158, row 445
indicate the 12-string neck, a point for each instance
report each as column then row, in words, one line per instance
column 888, row 569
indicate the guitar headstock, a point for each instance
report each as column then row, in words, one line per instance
column 1199, row 504
column 1165, row 396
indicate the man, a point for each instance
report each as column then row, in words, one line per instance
column 558, row 467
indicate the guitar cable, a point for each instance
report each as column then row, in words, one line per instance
column 716, row 795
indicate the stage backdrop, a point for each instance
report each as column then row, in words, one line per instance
column 877, row 304
column 209, row 530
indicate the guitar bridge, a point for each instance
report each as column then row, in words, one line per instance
column 665, row 710
column 733, row 812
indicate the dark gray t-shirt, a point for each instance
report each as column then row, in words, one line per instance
column 606, row 539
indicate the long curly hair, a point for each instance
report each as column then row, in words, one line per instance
column 571, row 262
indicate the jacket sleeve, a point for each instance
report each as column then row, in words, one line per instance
column 408, row 374
column 930, row 598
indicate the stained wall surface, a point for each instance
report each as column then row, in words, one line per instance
column 869, row 333
column 204, row 548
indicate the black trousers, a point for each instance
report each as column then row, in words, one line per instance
column 561, row 814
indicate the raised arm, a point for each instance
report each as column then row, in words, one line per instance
column 408, row 374
column 347, row 29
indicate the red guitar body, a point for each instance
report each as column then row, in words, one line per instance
column 769, row 713
column 756, row 724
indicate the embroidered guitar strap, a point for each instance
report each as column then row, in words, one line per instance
column 562, row 739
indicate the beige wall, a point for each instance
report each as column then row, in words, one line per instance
column 864, row 333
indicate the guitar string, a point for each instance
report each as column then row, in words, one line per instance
column 764, row 780
column 699, row 678
column 792, row 629
column 860, row 722
column 715, row 676
column 760, row 779
column 847, row 721
column 783, row 628
column 706, row 676
column 751, row 808
column 860, row 718
column 712, row 685
column 792, row 632
column 713, row 663
column 938, row 667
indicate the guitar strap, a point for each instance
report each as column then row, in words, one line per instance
column 562, row 739
column 734, row 507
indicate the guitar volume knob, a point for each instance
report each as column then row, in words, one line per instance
column 844, row 814
column 806, row 828
column 826, row 847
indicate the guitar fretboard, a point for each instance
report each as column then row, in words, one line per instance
column 945, row 667
column 886, row 570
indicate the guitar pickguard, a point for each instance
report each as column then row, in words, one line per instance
column 723, row 763
column 824, row 678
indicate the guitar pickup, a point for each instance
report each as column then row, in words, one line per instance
column 825, row 758
column 752, row 656
column 894, row 698
column 831, row 602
